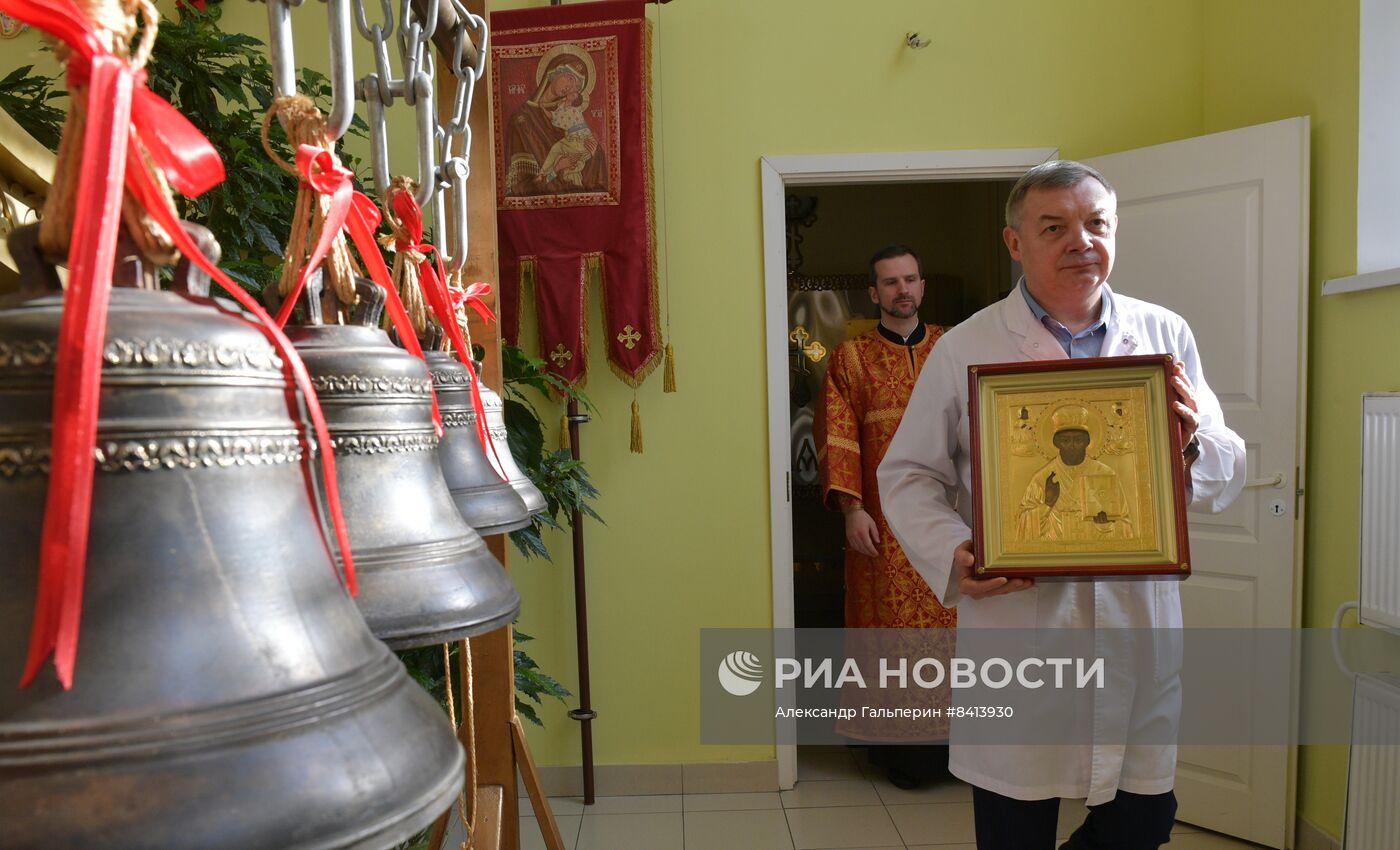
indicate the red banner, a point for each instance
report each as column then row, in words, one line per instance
column 570, row 89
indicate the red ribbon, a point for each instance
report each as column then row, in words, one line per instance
column 123, row 117
column 352, row 211
column 472, row 297
column 434, row 285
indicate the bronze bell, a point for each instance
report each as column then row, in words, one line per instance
column 425, row 576
column 496, row 427
column 488, row 502
column 227, row 694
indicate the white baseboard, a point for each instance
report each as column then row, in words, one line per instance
column 617, row 780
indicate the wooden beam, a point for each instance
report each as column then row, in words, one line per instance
column 446, row 23
column 488, row 822
column 492, row 655
column 488, row 817
column 493, row 661
column 549, row 830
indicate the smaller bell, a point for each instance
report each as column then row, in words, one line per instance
column 425, row 576
column 495, row 409
column 488, row 503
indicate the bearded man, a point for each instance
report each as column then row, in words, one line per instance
column 868, row 384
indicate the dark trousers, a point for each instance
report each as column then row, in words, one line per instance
column 924, row 762
column 1127, row 822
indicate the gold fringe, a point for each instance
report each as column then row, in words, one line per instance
column 636, row 427
column 668, row 380
column 564, row 431
column 595, row 271
column 636, row 379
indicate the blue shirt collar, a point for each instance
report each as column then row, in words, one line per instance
column 1105, row 311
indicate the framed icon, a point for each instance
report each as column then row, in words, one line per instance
column 1077, row 469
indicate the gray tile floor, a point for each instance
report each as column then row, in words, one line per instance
column 839, row 803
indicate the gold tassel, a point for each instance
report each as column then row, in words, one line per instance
column 564, row 431
column 636, row 427
column 668, row 378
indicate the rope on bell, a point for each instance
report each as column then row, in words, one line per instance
column 406, row 257
column 469, row 723
column 116, row 22
column 307, row 126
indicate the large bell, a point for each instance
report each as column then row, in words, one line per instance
column 496, row 426
column 489, row 503
column 425, row 576
column 227, row 694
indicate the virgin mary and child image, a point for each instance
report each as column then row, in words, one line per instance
column 550, row 147
column 1075, row 497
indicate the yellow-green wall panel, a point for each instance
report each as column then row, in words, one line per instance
column 1270, row 60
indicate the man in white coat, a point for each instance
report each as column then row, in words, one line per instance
column 1061, row 220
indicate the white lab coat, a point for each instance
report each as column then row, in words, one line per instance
column 928, row 465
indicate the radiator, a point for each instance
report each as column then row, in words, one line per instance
column 1380, row 511
column 1373, row 777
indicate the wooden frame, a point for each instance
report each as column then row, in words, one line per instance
column 1077, row 469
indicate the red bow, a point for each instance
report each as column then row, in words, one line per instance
column 356, row 213
column 434, row 285
column 123, row 116
column 472, row 297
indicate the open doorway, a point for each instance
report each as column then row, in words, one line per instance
column 954, row 227
column 946, row 205
column 1244, row 290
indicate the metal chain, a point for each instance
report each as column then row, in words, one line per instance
column 443, row 148
column 380, row 88
column 457, row 134
column 284, row 83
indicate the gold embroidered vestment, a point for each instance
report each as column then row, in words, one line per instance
column 868, row 384
column 867, row 387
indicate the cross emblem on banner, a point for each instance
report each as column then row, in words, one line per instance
column 561, row 355
column 629, row 337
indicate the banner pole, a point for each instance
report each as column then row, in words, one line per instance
column 584, row 714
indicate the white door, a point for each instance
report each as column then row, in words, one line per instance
column 1215, row 228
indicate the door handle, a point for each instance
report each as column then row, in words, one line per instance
column 1275, row 480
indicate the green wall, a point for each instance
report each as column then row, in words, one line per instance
column 687, row 541
column 1271, row 60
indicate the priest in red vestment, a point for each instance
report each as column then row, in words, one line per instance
column 868, row 384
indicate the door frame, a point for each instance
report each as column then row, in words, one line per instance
column 777, row 175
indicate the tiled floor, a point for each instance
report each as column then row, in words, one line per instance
column 840, row 801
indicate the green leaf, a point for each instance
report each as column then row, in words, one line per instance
column 527, row 711
column 25, row 96
column 265, row 237
column 529, row 543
